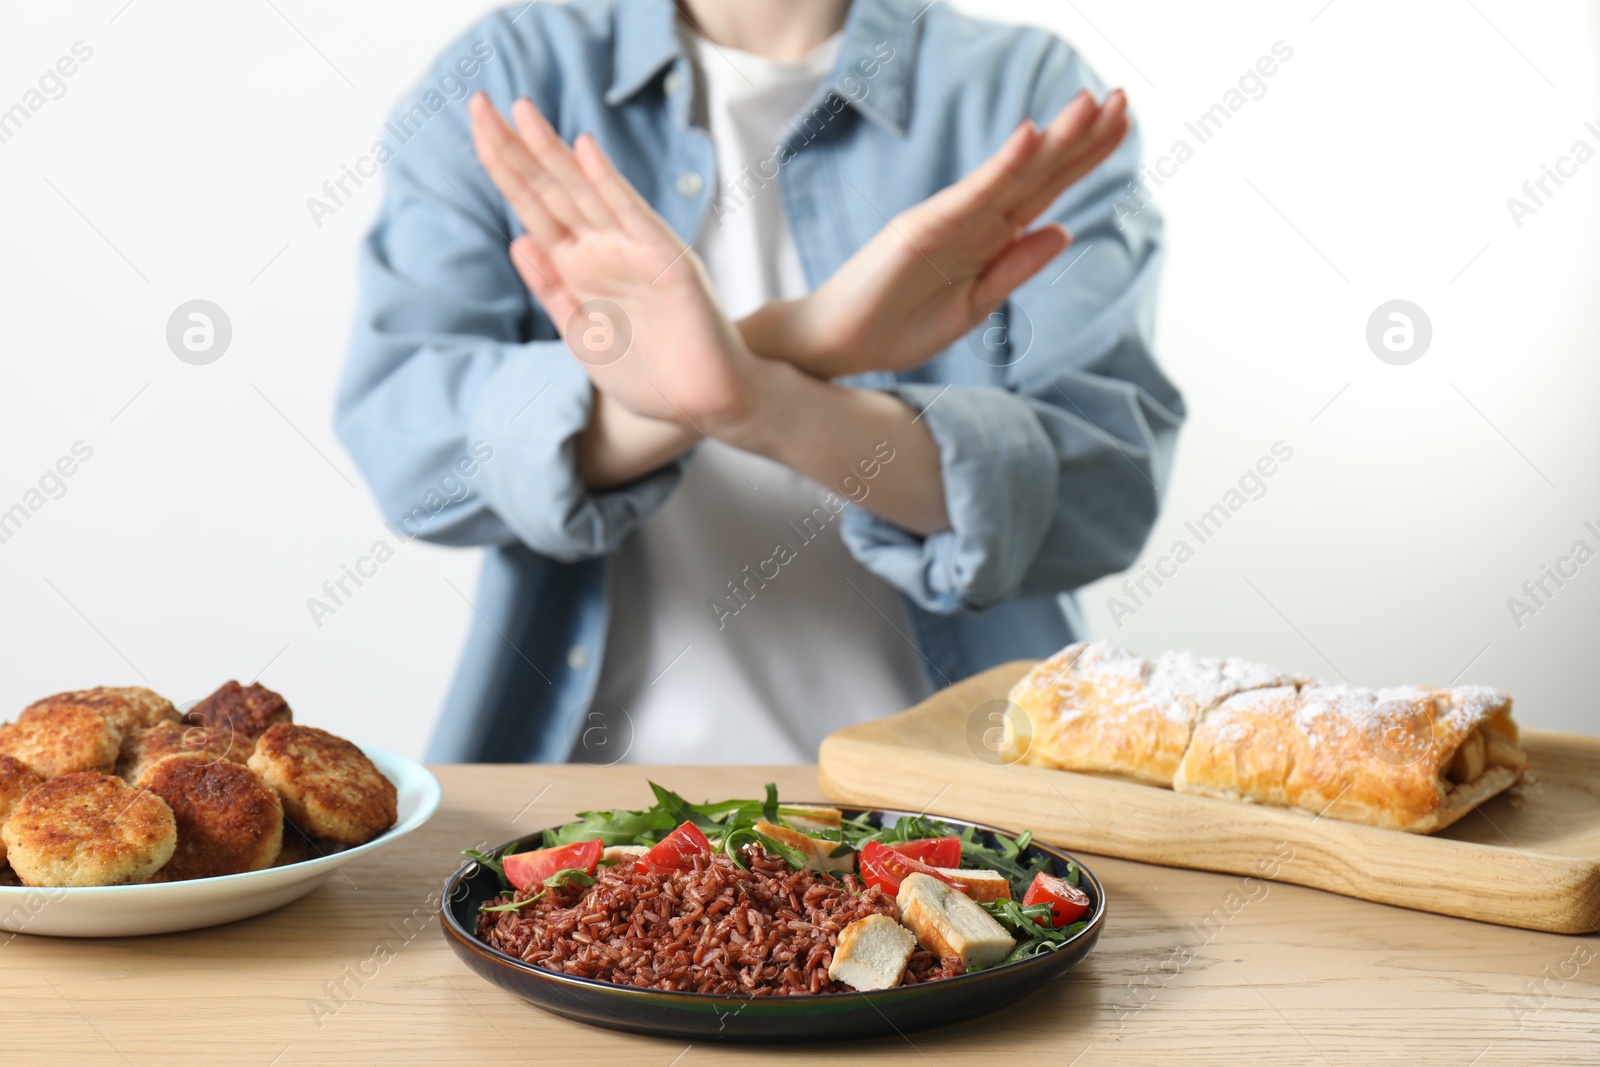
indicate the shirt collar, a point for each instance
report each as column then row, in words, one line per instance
column 645, row 41
column 880, row 36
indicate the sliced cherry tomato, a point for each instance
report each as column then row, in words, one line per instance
column 934, row 851
column 527, row 869
column 675, row 850
column 1067, row 902
column 886, row 868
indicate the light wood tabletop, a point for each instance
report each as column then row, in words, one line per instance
column 1193, row 968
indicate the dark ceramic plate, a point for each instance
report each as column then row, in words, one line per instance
column 708, row 1016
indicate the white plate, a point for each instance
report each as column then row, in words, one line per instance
column 165, row 907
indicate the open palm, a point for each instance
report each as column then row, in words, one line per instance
column 940, row 268
column 633, row 302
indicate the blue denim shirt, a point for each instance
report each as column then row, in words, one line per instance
column 1054, row 425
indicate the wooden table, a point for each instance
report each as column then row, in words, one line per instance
column 1193, row 969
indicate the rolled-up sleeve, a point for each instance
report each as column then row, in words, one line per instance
column 458, row 400
column 1054, row 468
column 999, row 469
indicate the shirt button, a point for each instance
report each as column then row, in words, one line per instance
column 689, row 183
column 672, row 83
column 578, row 657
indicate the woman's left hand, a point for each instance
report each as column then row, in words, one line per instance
column 938, row 269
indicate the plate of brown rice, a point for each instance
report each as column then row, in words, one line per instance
column 737, row 945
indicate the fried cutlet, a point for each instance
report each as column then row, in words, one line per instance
column 57, row 739
column 142, row 749
column 228, row 821
column 88, row 829
column 244, row 710
column 328, row 786
column 129, row 708
column 16, row 781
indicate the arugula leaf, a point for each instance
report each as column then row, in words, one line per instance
column 681, row 810
column 619, row 827
column 485, row 859
column 513, row 905
column 493, row 861
column 793, row 856
column 570, row 876
column 769, row 810
column 565, row 876
column 622, row 826
column 858, row 831
column 1021, row 920
column 1033, row 938
column 1029, row 949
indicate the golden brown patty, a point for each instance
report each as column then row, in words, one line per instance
column 246, row 710
column 141, row 750
column 88, row 829
column 129, row 708
column 15, row 782
column 328, row 786
column 228, row 821
column 57, row 739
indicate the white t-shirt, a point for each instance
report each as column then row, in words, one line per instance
column 806, row 640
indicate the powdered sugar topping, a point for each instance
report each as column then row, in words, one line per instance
column 1179, row 685
column 1476, row 702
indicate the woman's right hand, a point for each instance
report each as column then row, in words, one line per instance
column 612, row 275
column 940, row 268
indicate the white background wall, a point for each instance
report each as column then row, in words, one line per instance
column 1418, row 499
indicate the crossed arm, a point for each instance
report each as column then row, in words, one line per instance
column 762, row 384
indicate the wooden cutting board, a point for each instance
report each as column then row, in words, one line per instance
column 1528, row 858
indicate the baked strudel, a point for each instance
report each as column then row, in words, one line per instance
column 1406, row 758
column 1093, row 707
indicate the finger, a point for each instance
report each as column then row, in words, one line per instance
column 631, row 210
column 560, row 166
column 1111, row 124
column 510, row 166
column 543, row 280
column 1113, row 111
column 1042, row 197
column 1025, row 257
column 1064, row 135
column 1074, row 147
column 1070, row 123
column 1104, row 141
column 551, row 192
column 1000, row 169
column 1070, row 131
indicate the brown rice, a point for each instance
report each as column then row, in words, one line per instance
column 766, row 931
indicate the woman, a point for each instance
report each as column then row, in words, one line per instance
column 773, row 417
